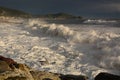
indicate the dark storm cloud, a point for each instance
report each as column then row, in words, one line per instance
column 78, row 7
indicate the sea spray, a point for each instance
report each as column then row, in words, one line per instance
column 79, row 49
column 62, row 31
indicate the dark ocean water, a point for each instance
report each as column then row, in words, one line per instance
column 111, row 23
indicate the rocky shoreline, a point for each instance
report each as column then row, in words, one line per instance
column 11, row 70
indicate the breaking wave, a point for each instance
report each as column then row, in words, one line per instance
column 63, row 32
column 52, row 29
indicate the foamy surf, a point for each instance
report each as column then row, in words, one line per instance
column 79, row 49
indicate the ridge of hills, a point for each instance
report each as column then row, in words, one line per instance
column 8, row 12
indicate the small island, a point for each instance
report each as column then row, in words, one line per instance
column 59, row 16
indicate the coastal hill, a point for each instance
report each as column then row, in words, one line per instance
column 13, row 13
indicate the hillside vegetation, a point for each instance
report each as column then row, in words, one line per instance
column 60, row 16
column 12, row 13
column 7, row 12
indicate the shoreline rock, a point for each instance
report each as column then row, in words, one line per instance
column 11, row 70
column 107, row 76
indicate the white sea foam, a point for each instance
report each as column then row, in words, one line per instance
column 59, row 48
column 99, row 21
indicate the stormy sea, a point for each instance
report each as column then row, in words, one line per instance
column 63, row 46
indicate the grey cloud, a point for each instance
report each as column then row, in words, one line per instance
column 78, row 7
column 109, row 7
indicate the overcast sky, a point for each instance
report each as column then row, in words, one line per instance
column 87, row 8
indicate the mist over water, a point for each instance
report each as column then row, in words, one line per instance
column 83, row 48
